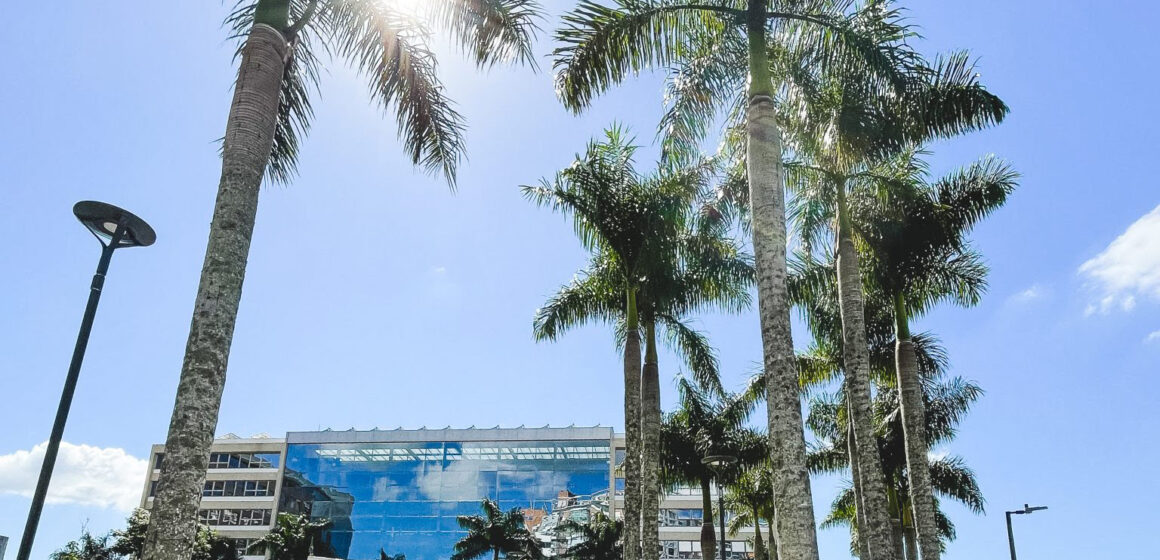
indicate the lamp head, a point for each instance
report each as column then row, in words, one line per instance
column 104, row 219
column 719, row 461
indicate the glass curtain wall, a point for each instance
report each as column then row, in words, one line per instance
column 404, row 497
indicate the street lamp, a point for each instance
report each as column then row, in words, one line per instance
column 115, row 229
column 719, row 463
column 1010, row 533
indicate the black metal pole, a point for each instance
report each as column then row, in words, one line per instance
column 1010, row 536
column 70, row 385
column 721, row 507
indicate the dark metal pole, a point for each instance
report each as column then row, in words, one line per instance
column 70, row 385
column 721, row 507
column 1010, row 536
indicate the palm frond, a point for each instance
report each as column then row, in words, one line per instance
column 602, row 44
column 492, row 31
column 390, row 49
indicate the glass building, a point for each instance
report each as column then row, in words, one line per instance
column 401, row 490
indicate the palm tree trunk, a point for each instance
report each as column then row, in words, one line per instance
column 495, row 553
column 758, row 543
column 772, row 549
column 875, row 527
column 797, row 533
column 912, row 544
column 650, row 391
column 708, row 532
column 914, row 435
column 632, row 435
column 245, row 153
column 856, row 479
column 896, row 538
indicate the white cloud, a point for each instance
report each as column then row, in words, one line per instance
column 1035, row 292
column 1128, row 268
column 1153, row 336
column 85, row 475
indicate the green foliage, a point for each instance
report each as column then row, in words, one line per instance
column 128, row 543
column 295, row 536
column 946, row 403
column 392, row 51
column 646, row 235
column 600, row 538
column 87, row 547
column 707, row 423
column 497, row 532
column 384, row 556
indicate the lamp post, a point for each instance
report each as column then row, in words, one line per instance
column 115, row 229
column 719, row 463
column 1010, row 533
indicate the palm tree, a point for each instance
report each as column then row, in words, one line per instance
column 709, row 423
column 750, row 498
column 918, row 256
column 495, row 531
column 295, row 537
column 599, row 538
column 814, row 289
column 384, row 556
column 87, row 547
column 727, row 43
column 653, row 262
column 840, row 125
column 270, row 112
column 948, row 401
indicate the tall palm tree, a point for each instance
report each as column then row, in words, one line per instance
column 709, row 423
column 948, row 402
column 919, row 256
column 653, row 262
column 497, row 532
column 839, row 125
column 599, row 538
column 295, row 537
column 728, row 42
column 814, row 289
column 269, row 114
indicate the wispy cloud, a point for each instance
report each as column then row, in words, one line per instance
column 1152, row 337
column 85, row 475
column 1128, row 269
column 1033, row 293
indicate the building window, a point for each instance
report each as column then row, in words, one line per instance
column 234, row 517
column 681, row 517
column 157, row 460
column 244, row 460
column 231, row 488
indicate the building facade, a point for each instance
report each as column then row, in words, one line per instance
column 240, row 497
column 400, row 491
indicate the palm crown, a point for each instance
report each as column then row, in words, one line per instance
column 496, row 531
column 391, row 49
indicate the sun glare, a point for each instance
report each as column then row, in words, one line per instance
column 408, row 7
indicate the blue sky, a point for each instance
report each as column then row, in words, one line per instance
column 374, row 297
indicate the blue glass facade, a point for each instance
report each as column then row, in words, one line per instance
column 404, row 496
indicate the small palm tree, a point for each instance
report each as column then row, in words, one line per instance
column 947, row 402
column 295, row 537
column 750, row 497
column 495, row 531
column 600, row 538
column 270, row 112
column 652, row 262
column 208, row 544
column 705, row 424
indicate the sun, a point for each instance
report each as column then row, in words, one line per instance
column 408, row 7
